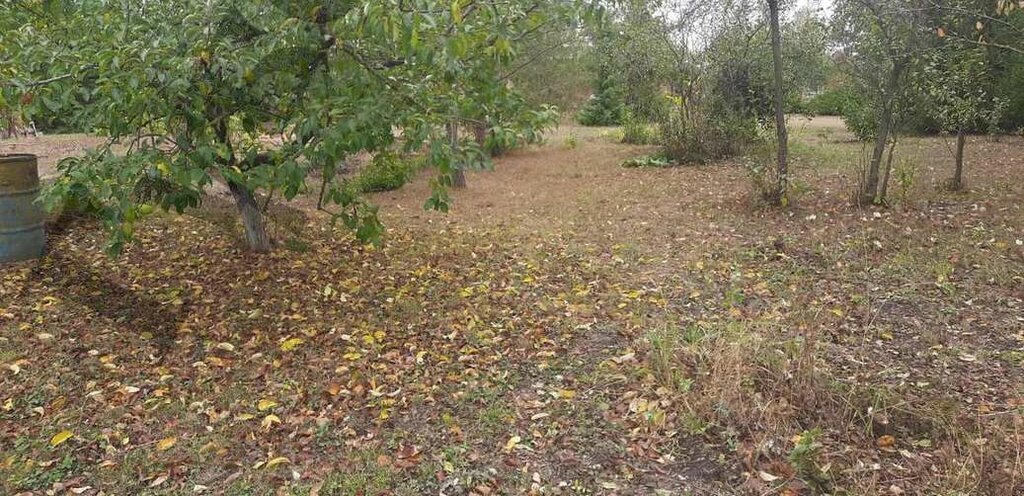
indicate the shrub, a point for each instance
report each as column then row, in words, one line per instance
column 696, row 134
column 860, row 119
column 605, row 107
column 386, row 172
column 635, row 131
column 828, row 102
column 600, row 111
column 528, row 129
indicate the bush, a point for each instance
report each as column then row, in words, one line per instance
column 386, row 172
column 635, row 131
column 697, row 135
column 860, row 118
column 605, row 107
column 828, row 102
column 600, row 111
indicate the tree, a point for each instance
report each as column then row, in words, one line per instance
column 192, row 89
column 957, row 80
column 631, row 61
column 880, row 39
column 778, row 196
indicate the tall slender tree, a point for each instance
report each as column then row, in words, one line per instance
column 778, row 196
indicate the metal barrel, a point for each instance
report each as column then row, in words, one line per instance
column 22, row 236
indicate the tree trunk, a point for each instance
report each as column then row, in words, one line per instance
column 779, row 195
column 458, row 175
column 883, row 188
column 871, row 191
column 252, row 219
column 480, row 133
column 958, row 174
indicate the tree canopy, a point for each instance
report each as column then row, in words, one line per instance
column 259, row 95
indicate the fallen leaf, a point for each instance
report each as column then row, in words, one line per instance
column 269, row 421
column 511, row 444
column 265, row 404
column 276, row 461
column 60, row 437
column 291, row 344
column 166, row 443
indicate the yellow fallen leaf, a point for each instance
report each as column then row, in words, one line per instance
column 276, row 461
column 291, row 344
column 265, row 404
column 511, row 444
column 166, row 443
column 269, row 421
column 60, row 437
column 567, row 394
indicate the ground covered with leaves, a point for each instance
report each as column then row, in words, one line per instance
column 572, row 327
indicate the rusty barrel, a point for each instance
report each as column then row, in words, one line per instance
column 21, row 219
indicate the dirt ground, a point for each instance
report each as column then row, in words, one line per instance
column 50, row 148
column 570, row 327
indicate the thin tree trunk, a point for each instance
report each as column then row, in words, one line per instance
column 871, row 190
column 480, row 133
column 779, row 195
column 958, row 174
column 458, row 175
column 256, row 236
column 884, row 187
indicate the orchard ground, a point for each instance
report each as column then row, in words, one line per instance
column 570, row 327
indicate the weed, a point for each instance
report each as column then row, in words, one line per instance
column 905, row 172
column 804, row 459
column 656, row 161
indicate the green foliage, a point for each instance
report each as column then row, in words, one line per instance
column 1008, row 88
column 957, row 80
column 694, row 132
column 657, row 161
column 386, row 172
column 526, row 126
column 904, row 171
column 604, row 107
column 556, row 71
column 192, row 88
column 832, row 101
column 804, row 458
column 636, row 131
column 860, row 117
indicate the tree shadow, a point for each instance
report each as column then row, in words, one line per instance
column 81, row 283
